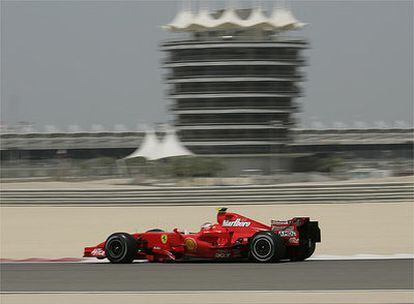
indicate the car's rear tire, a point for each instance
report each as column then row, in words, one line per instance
column 120, row 248
column 302, row 252
column 266, row 246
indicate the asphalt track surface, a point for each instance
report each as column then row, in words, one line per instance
column 139, row 277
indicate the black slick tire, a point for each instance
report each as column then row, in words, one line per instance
column 120, row 248
column 303, row 251
column 266, row 246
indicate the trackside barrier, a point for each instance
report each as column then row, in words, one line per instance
column 217, row 195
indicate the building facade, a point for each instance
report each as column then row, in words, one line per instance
column 234, row 79
column 35, row 154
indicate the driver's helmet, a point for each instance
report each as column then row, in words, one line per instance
column 206, row 226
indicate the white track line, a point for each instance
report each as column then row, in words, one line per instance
column 314, row 258
column 207, row 291
column 362, row 257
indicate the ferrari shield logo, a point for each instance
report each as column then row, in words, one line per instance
column 164, row 238
column 190, row 244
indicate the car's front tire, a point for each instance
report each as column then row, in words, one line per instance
column 266, row 246
column 120, row 248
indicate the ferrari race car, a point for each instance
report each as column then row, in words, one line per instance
column 234, row 236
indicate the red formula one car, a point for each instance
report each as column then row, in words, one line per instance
column 234, row 236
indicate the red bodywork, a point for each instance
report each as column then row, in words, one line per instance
column 227, row 239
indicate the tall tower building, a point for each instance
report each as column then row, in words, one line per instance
column 233, row 76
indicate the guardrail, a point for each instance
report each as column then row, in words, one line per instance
column 218, row 195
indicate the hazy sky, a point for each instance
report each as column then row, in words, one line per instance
column 98, row 62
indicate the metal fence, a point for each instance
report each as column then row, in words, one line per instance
column 218, row 195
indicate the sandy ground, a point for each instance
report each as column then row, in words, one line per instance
column 301, row 297
column 347, row 229
column 126, row 183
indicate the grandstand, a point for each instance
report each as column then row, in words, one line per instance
column 42, row 149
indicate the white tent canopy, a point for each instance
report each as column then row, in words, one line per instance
column 204, row 19
column 283, row 18
column 279, row 19
column 171, row 146
column 182, row 20
column 229, row 19
column 153, row 149
column 257, row 18
column 148, row 146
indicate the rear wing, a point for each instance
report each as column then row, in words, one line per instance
column 307, row 229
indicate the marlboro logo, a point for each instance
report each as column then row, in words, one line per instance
column 236, row 223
